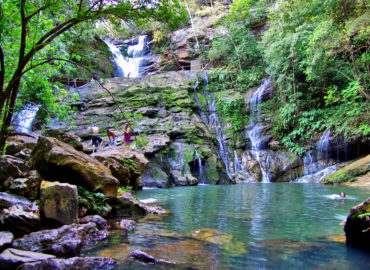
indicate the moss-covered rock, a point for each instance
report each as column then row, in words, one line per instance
column 357, row 226
column 57, row 161
column 350, row 172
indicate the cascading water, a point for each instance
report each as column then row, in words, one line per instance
column 316, row 169
column 255, row 133
column 23, row 120
column 134, row 65
column 210, row 118
column 202, row 179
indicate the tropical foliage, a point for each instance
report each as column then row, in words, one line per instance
column 33, row 37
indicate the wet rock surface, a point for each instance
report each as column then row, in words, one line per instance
column 6, row 239
column 11, row 258
column 96, row 263
column 65, row 241
column 357, row 226
column 7, row 200
column 101, row 223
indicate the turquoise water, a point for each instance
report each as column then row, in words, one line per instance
column 245, row 226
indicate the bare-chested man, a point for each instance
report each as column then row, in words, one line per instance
column 96, row 140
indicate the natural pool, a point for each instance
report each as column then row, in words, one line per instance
column 244, row 226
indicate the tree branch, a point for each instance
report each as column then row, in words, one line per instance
column 29, row 17
column 2, row 69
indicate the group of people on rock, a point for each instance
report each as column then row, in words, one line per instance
column 97, row 141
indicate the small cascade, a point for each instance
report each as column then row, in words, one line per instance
column 210, row 117
column 255, row 133
column 315, row 169
column 323, row 147
column 201, row 177
column 134, row 64
column 23, row 120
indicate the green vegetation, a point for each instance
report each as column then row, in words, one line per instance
column 315, row 51
column 40, row 40
column 93, row 202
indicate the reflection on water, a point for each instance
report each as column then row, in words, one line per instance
column 245, row 226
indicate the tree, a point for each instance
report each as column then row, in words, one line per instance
column 30, row 28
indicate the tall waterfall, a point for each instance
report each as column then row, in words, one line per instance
column 23, row 120
column 134, row 64
column 210, row 118
column 255, row 134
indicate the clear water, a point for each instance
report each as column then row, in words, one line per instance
column 257, row 226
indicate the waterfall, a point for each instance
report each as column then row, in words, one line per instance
column 315, row 171
column 133, row 65
column 202, row 178
column 211, row 119
column 255, row 133
column 23, row 120
column 323, row 147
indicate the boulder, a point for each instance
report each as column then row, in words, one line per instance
column 27, row 187
column 357, row 226
column 59, row 201
column 125, row 165
column 126, row 205
column 6, row 238
column 7, row 200
column 155, row 175
column 58, row 161
column 100, row 222
column 17, row 143
column 156, row 142
column 96, row 263
column 127, row 224
column 20, row 220
column 11, row 258
column 11, row 167
column 65, row 137
column 65, row 241
column 352, row 173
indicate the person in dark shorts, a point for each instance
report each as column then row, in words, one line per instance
column 96, row 140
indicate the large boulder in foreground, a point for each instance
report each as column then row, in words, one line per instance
column 96, row 263
column 125, row 165
column 57, row 161
column 11, row 258
column 59, row 201
column 65, row 241
column 357, row 227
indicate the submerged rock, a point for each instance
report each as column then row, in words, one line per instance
column 57, row 161
column 146, row 258
column 59, row 201
column 11, row 258
column 357, row 227
column 65, row 241
column 100, row 222
column 96, row 263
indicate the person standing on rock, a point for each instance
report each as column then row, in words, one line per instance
column 127, row 136
column 96, row 140
column 112, row 137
